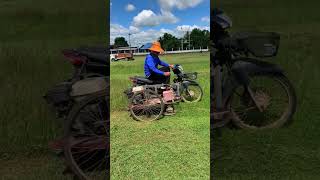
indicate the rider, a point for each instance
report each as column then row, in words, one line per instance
column 158, row 76
column 151, row 63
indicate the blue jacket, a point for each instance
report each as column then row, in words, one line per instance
column 151, row 65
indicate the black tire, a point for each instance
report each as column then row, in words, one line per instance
column 86, row 147
column 258, row 120
column 187, row 95
column 146, row 106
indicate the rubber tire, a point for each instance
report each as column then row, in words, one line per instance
column 160, row 113
column 68, row 123
column 197, row 100
column 287, row 119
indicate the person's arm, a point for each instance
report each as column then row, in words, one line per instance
column 153, row 67
column 162, row 63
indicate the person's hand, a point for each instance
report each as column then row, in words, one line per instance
column 166, row 73
column 171, row 66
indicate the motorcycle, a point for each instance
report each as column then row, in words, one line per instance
column 248, row 93
column 82, row 101
column 147, row 99
column 91, row 70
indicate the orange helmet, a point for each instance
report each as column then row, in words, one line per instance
column 156, row 46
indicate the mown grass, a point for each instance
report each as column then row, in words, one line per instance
column 292, row 152
column 175, row 147
column 32, row 36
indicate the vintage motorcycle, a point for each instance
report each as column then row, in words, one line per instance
column 248, row 93
column 147, row 100
column 83, row 103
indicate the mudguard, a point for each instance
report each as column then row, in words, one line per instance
column 89, row 86
column 241, row 71
column 186, row 83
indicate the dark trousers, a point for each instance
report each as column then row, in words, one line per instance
column 158, row 78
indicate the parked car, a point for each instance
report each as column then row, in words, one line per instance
column 121, row 56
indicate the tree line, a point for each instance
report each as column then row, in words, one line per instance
column 198, row 39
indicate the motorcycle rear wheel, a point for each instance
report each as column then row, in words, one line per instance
column 146, row 106
column 86, row 138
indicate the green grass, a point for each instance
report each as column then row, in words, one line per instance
column 175, row 147
column 292, row 152
column 32, row 36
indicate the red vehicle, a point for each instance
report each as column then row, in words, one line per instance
column 121, row 56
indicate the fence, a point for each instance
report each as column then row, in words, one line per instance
column 176, row 52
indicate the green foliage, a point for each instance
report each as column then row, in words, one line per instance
column 169, row 42
column 32, row 37
column 292, row 152
column 199, row 38
column 175, row 147
column 120, row 42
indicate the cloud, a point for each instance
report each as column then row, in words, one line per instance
column 184, row 28
column 133, row 29
column 130, row 7
column 205, row 19
column 146, row 18
column 117, row 30
column 180, row 4
column 149, row 18
column 140, row 37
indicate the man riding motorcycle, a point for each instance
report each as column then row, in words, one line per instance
column 161, row 75
column 158, row 76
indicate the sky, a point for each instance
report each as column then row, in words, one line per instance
column 147, row 20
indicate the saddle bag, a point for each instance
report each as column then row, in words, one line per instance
column 59, row 94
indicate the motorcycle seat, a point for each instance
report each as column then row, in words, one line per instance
column 143, row 80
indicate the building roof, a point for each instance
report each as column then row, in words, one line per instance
column 146, row 46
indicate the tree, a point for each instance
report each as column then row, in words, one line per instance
column 120, row 42
column 169, row 42
column 199, row 38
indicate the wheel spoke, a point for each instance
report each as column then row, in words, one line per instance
column 87, row 145
column 270, row 93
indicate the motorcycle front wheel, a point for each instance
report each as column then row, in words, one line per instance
column 273, row 93
column 192, row 93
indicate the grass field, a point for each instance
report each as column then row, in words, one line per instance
column 175, row 147
column 32, row 36
column 288, row 153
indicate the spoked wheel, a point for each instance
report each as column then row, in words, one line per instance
column 275, row 96
column 86, row 147
column 192, row 93
column 146, row 106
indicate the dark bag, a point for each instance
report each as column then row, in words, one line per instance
column 59, row 94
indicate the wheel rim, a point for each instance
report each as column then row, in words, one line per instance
column 87, row 147
column 193, row 93
column 271, row 94
column 146, row 106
